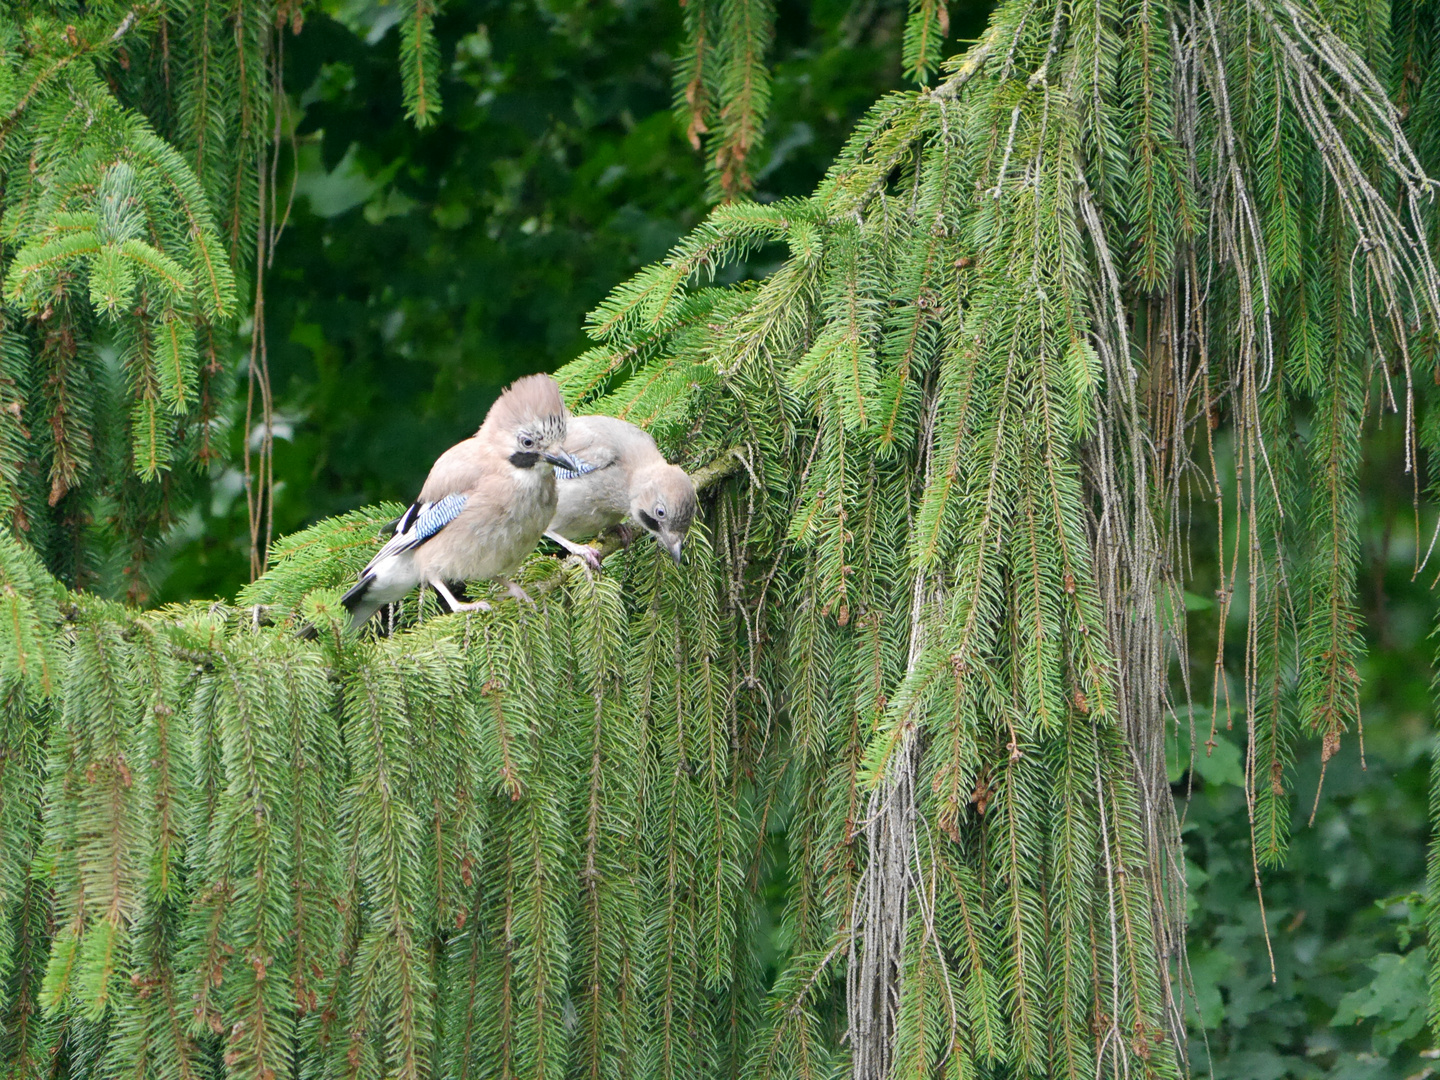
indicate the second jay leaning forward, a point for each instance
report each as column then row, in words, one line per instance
column 620, row 473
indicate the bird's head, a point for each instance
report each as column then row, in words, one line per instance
column 664, row 503
column 527, row 424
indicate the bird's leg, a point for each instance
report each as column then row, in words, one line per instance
column 455, row 605
column 440, row 601
column 584, row 551
column 517, row 592
column 624, row 532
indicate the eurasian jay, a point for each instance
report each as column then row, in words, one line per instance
column 620, row 473
column 482, row 509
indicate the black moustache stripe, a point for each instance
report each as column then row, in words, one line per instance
column 649, row 522
column 524, row 460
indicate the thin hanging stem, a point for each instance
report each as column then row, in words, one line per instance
column 270, row 222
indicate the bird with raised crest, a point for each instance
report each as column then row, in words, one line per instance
column 483, row 508
column 620, row 475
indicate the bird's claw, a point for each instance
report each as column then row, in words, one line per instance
column 473, row 605
column 590, row 556
column 518, row 593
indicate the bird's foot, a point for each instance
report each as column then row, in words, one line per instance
column 585, row 552
column 518, row 593
column 625, row 533
column 456, row 605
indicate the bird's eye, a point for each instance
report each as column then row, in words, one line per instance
column 527, row 442
column 659, row 511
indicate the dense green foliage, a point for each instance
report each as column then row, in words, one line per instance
column 1347, row 898
column 120, row 250
column 1052, row 352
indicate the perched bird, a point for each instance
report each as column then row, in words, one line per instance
column 620, row 473
column 482, row 509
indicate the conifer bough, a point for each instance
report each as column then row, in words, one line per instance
column 1123, row 261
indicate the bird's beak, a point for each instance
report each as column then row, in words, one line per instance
column 674, row 545
column 562, row 459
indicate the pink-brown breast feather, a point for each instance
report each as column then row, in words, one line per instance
column 502, row 522
column 458, row 469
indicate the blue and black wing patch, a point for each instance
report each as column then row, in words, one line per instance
column 574, row 474
column 426, row 521
column 420, row 523
column 411, row 529
column 416, row 524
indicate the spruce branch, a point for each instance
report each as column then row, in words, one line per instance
column 971, row 63
column 926, row 644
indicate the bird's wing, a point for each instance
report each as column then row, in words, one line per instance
column 575, row 474
column 419, row 523
column 587, row 446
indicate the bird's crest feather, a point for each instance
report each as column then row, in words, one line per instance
column 531, row 401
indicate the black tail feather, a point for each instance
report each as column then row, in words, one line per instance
column 357, row 592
